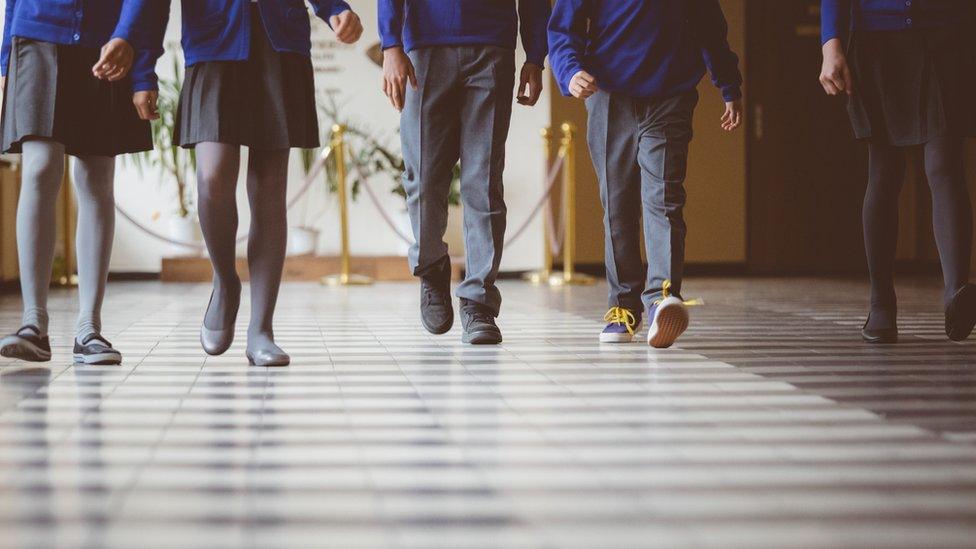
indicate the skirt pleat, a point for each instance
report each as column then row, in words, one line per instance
column 264, row 102
column 51, row 94
column 912, row 86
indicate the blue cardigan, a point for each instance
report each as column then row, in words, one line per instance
column 643, row 48
column 220, row 30
column 886, row 15
column 415, row 24
column 89, row 23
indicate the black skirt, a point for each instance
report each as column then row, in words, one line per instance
column 265, row 102
column 912, row 86
column 50, row 93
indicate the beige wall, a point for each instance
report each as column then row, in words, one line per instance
column 716, row 211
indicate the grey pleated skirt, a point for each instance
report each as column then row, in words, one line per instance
column 913, row 86
column 265, row 102
column 50, row 93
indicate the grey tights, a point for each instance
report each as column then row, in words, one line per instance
column 218, row 165
column 43, row 171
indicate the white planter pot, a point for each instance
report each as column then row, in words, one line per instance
column 455, row 231
column 406, row 229
column 454, row 237
column 302, row 241
column 185, row 230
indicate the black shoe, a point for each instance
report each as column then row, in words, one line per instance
column 879, row 336
column 27, row 344
column 960, row 316
column 436, row 309
column 95, row 349
column 479, row 324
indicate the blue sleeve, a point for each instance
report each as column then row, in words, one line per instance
column 712, row 31
column 833, row 13
column 7, row 37
column 533, row 20
column 150, row 28
column 567, row 40
column 325, row 9
column 390, row 23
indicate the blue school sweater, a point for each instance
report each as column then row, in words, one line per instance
column 643, row 48
column 412, row 24
column 220, row 30
column 88, row 23
column 887, row 15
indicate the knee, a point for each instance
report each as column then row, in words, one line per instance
column 214, row 185
column 942, row 173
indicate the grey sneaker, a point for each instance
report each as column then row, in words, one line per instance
column 95, row 349
column 436, row 308
column 479, row 324
column 27, row 344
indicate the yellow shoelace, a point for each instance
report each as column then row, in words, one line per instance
column 619, row 315
column 666, row 293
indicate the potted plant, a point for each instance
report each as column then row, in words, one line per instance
column 174, row 165
column 368, row 158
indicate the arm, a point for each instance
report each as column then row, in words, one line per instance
column 711, row 30
column 340, row 18
column 834, row 19
column 533, row 18
column 567, row 41
column 391, row 23
column 7, row 37
column 835, row 75
column 326, row 9
column 142, row 24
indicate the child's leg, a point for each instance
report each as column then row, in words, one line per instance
column 886, row 172
column 952, row 212
column 218, row 165
column 613, row 142
column 267, row 186
column 666, row 131
column 43, row 171
column 94, row 180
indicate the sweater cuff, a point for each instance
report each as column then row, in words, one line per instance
column 731, row 93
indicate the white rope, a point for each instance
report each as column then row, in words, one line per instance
column 555, row 236
column 306, row 185
column 543, row 201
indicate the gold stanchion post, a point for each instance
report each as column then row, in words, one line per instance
column 67, row 276
column 569, row 276
column 543, row 275
column 345, row 276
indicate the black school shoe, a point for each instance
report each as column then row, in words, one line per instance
column 479, row 324
column 960, row 316
column 879, row 336
column 27, row 344
column 96, row 350
column 436, row 308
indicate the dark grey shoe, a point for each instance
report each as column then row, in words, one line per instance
column 436, row 308
column 27, row 344
column 479, row 324
column 216, row 342
column 960, row 316
column 95, row 349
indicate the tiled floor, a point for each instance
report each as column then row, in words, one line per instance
column 771, row 426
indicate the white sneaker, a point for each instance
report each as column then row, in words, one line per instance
column 669, row 319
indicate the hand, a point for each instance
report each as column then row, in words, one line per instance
column 347, row 26
column 530, row 85
column 732, row 118
column 583, row 85
column 145, row 102
column 115, row 61
column 397, row 71
column 835, row 77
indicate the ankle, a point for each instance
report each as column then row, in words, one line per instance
column 37, row 318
